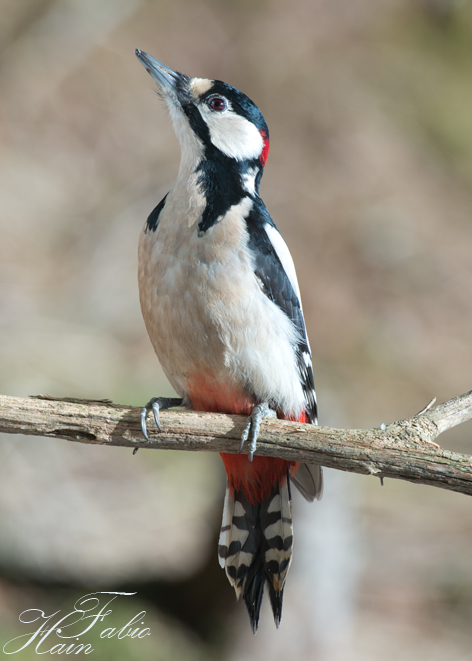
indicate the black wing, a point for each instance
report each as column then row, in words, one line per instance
column 277, row 287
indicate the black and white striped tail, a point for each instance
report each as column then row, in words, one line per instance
column 255, row 546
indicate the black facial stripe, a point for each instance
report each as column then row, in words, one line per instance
column 153, row 218
column 197, row 123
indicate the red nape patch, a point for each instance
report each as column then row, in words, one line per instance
column 265, row 150
column 256, row 479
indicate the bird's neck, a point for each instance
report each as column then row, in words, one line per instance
column 209, row 187
column 228, row 177
column 225, row 183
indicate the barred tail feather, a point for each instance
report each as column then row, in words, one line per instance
column 255, row 546
column 276, row 522
column 237, row 543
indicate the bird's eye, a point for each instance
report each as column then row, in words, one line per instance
column 217, row 103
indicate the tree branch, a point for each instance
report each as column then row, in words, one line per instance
column 403, row 450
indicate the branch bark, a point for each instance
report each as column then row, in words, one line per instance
column 402, row 450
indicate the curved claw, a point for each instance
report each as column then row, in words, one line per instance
column 144, row 413
column 155, row 405
column 244, row 435
column 251, row 430
column 155, row 410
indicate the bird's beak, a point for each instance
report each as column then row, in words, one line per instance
column 167, row 79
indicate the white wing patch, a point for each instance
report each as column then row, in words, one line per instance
column 283, row 253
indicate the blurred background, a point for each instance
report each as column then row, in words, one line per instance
column 369, row 179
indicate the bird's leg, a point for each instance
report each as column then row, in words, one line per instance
column 155, row 405
column 251, row 431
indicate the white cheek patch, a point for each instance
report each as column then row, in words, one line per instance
column 284, row 255
column 232, row 134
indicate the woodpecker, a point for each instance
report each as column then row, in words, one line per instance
column 221, row 303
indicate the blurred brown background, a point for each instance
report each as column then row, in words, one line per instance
column 369, row 179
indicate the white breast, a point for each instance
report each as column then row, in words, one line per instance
column 204, row 310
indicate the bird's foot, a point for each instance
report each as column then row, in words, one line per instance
column 251, row 431
column 155, row 405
